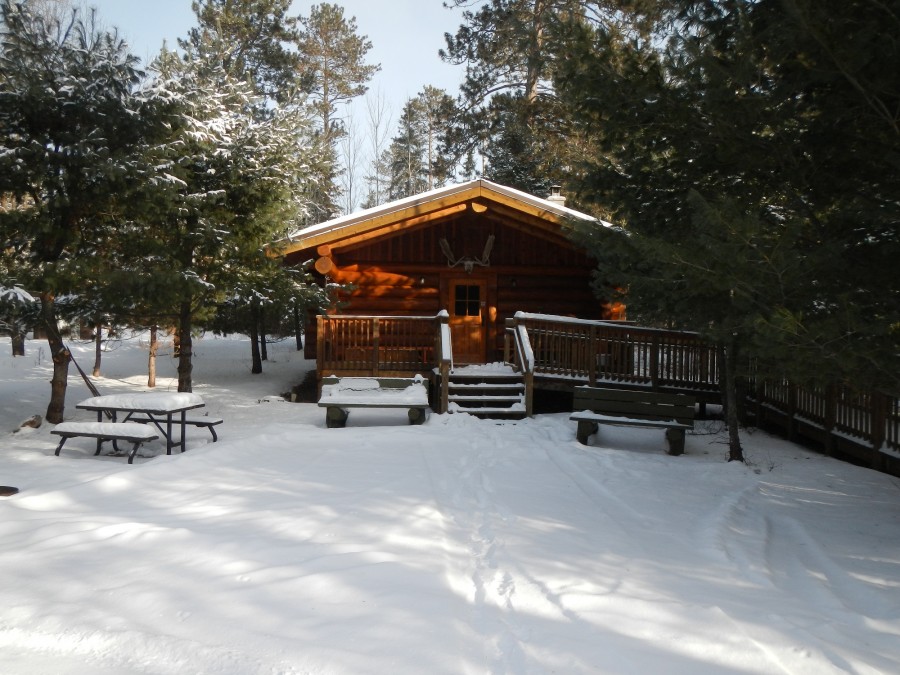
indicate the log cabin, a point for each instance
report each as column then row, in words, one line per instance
column 478, row 250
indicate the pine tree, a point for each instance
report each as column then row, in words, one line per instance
column 737, row 212
column 18, row 314
column 255, row 36
column 333, row 64
column 224, row 186
column 251, row 39
column 419, row 160
column 70, row 128
column 508, row 110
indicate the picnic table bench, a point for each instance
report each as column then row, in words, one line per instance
column 105, row 431
column 341, row 393
column 200, row 421
column 621, row 407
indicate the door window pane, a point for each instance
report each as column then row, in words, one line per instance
column 467, row 301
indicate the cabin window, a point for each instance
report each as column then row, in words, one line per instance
column 468, row 300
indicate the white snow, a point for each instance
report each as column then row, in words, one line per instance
column 160, row 402
column 108, row 429
column 367, row 391
column 458, row 546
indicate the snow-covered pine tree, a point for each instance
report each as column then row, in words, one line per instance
column 223, row 187
column 19, row 312
column 69, row 128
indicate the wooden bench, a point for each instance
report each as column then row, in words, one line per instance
column 341, row 393
column 620, row 407
column 200, row 421
column 105, row 431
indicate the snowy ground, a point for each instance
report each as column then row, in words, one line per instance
column 460, row 546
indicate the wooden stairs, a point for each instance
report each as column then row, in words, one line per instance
column 493, row 392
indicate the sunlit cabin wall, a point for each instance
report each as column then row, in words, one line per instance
column 409, row 274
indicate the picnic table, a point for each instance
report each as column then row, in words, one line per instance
column 166, row 410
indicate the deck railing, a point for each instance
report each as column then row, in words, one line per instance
column 838, row 416
column 519, row 353
column 376, row 345
column 612, row 352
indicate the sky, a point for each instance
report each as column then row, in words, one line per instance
column 405, row 34
column 457, row 547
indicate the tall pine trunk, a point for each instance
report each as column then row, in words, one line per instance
column 56, row 407
column 735, row 451
column 185, row 346
column 98, row 349
column 151, row 359
column 256, row 368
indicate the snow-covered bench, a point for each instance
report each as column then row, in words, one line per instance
column 341, row 393
column 621, row 407
column 105, row 431
column 199, row 421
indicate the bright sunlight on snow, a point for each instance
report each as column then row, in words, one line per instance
column 459, row 546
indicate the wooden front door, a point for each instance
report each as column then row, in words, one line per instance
column 467, row 311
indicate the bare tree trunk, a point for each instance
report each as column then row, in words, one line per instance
column 56, row 407
column 185, row 347
column 256, row 367
column 263, row 347
column 18, row 341
column 151, row 360
column 298, row 328
column 98, row 349
column 735, row 451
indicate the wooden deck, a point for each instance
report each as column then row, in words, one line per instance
column 560, row 353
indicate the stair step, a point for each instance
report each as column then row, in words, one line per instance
column 487, row 393
column 487, row 385
column 485, row 398
column 488, row 411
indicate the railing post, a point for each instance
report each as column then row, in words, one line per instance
column 375, row 341
column 654, row 362
column 444, row 403
column 594, row 357
column 529, row 392
column 878, row 401
column 830, row 420
column 792, row 412
column 321, row 344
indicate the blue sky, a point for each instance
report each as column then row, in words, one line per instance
column 405, row 35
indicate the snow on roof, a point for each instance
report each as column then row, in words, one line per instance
column 399, row 205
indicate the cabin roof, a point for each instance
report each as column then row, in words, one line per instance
column 428, row 206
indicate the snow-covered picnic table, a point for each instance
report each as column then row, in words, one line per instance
column 165, row 410
column 341, row 393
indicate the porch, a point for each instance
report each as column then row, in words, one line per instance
column 547, row 352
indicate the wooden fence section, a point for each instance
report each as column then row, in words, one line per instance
column 393, row 346
column 603, row 352
column 863, row 424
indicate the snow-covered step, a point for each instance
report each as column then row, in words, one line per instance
column 487, row 391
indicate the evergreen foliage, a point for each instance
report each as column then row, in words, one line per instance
column 745, row 149
column 508, row 109
column 70, row 128
column 19, row 312
column 332, row 56
column 224, row 185
column 256, row 38
column 419, row 159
